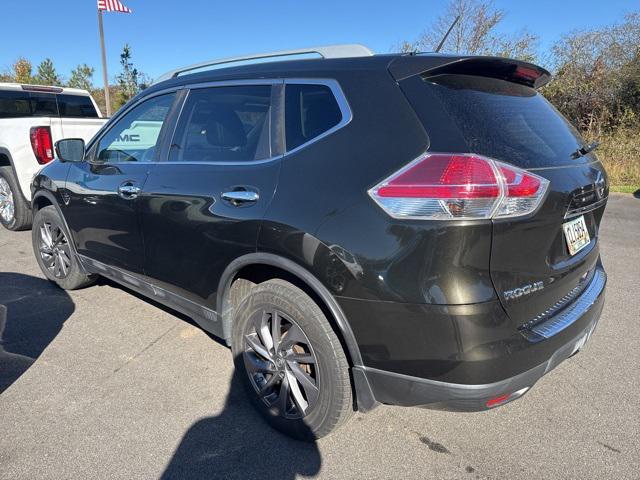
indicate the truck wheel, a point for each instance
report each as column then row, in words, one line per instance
column 295, row 370
column 15, row 213
column 55, row 256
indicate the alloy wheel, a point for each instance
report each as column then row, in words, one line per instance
column 7, row 204
column 281, row 364
column 54, row 250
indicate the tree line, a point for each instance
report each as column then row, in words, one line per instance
column 128, row 82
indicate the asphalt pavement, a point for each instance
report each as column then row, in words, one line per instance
column 100, row 383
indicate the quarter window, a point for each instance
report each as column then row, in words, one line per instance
column 224, row 124
column 310, row 111
column 134, row 137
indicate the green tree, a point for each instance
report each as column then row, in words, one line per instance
column 22, row 71
column 596, row 76
column 474, row 33
column 81, row 77
column 127, row 80
column 47, row 74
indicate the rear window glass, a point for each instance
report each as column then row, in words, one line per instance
column 77, row 106
column 506, row 121
column 310, row 111
column 14, row 103
column 43, row 104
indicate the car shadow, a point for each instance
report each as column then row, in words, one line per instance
column 32, row 312
column 239, row 444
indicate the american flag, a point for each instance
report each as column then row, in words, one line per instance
column 112, row 6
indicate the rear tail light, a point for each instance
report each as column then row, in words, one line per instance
column 42, row 144
column 446, row 186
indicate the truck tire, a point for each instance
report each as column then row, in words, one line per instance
column 15, row 213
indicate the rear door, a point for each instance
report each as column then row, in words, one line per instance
column 532, row 267
column 104, row 192
column 204, row 204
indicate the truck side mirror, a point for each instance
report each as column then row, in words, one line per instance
column 70, row 150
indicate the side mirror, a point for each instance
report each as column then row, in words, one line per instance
column 70, row 150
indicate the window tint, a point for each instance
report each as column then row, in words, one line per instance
column 310, row 111
column 77, row 106
column 15, row 103
column 224, row 124
column 43, row 104
column 506, row 121
column 133, row 138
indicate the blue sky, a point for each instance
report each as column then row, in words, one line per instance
column 169, row 33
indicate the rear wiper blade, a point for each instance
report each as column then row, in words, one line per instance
column 584, row 150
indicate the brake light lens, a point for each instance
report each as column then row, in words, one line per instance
column 446, row 186
column 42, row 144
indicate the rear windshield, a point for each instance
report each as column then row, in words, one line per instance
column 16, row 104
column 78, row 106
column 506, row 121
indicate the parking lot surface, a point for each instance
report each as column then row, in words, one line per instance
column 100, row 383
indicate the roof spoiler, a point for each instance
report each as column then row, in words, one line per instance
column 501, row 68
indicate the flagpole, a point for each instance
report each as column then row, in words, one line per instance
column 105, row 76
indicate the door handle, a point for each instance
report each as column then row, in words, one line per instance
column 128, row 190
column 240, row 197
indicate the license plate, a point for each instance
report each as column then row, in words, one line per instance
column 576, row 234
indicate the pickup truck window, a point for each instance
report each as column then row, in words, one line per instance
column 133, row 137
column 76, row 106
column 14, row 104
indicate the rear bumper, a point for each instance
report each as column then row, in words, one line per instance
column 376, row 385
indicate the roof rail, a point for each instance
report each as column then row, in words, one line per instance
column 330, row 51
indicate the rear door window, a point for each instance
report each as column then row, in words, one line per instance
column 310, row 111
column 76, row 106
column 224, row 124
column 504, row 120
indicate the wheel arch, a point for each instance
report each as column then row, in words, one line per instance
column 6, row 160
column 44, row 198
column 304, row 278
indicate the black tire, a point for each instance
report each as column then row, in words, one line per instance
column 69, row 275
column 329, row 407
column 21, row 217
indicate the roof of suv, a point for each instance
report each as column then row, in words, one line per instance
column 400, row 65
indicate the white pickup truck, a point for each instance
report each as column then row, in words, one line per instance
column 32, row 119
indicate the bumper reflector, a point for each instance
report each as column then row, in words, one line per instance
column 502, row 399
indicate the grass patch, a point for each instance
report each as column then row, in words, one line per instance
column 624, row 188
column 619, row 152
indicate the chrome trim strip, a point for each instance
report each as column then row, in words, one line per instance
column 151, row 290
column 340, row 97
column 587, row 208
column 338, row 94
column 573, row 312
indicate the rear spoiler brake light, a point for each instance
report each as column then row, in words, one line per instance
column 41, row 88
column 492, row 67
